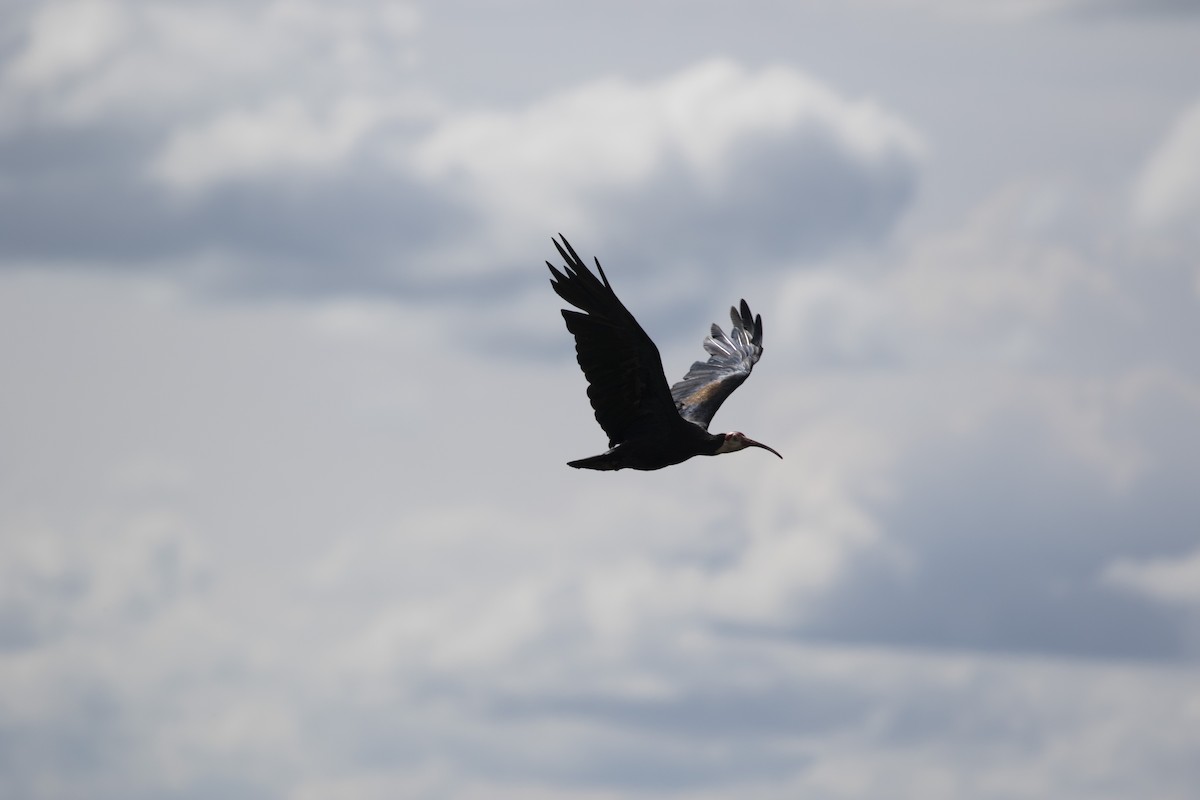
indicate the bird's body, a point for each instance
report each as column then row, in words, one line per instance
column 650, row 425
column 675, row 442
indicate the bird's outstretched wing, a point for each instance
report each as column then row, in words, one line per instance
column 708, row 383
column 627, row 387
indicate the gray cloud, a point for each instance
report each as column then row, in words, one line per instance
column 133, row 147
column 1059, row 437
column 1150, row 8
column 1009, row 536
column 84, row 195
column 783, row 198
column 77, row 198
column 710, row 167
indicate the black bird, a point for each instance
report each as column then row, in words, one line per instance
column 649, row 425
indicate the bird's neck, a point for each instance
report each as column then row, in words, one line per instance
column 718, row 444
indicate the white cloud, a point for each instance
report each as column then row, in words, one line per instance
column 996, row 288
column 617, row 133
column 122, row 62
column 835, row 317
column 715, row 138
column 1006, row 265
column 1167, row 194
column 116, row 108
column 1166, row 580
column 67, row 39
column 315, row 121
column 282, row 136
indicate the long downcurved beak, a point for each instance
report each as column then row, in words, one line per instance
column 751, row 443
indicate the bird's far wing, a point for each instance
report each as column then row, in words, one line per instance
column 626, row 384
column 708, row 383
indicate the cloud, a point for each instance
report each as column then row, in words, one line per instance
column 281, row 136
column 1008, row 263
column 1167, row 580
column 229, row 144
column 1007, row 284
column 713, row 164
column 1167, row 194
column 402, row 589
column 1005, row 522
column 1029, row 411
column 115, row 571
column 1018, row 11
column 326, row 545
column 261, row 173
column 67, row 39
column 1136, row 8
column 85, row 61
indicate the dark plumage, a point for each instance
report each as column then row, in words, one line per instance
column 649, row 424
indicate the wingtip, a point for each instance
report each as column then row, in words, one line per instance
column 747, row 317
column 600, row 269
column 742, row 317
column 574, row 262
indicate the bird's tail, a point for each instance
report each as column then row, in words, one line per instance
column 602, row 461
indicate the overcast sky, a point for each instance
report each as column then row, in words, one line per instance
column 284, row 510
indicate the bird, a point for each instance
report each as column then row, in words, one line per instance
column 650, row 425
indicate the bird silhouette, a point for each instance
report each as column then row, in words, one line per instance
column 650, row 425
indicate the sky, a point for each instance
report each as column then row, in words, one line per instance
column 284, row 509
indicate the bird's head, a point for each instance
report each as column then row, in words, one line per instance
column 739, row 441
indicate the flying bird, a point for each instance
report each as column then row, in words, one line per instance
column 650, row 425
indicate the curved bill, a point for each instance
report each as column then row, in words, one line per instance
column 751, row 443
